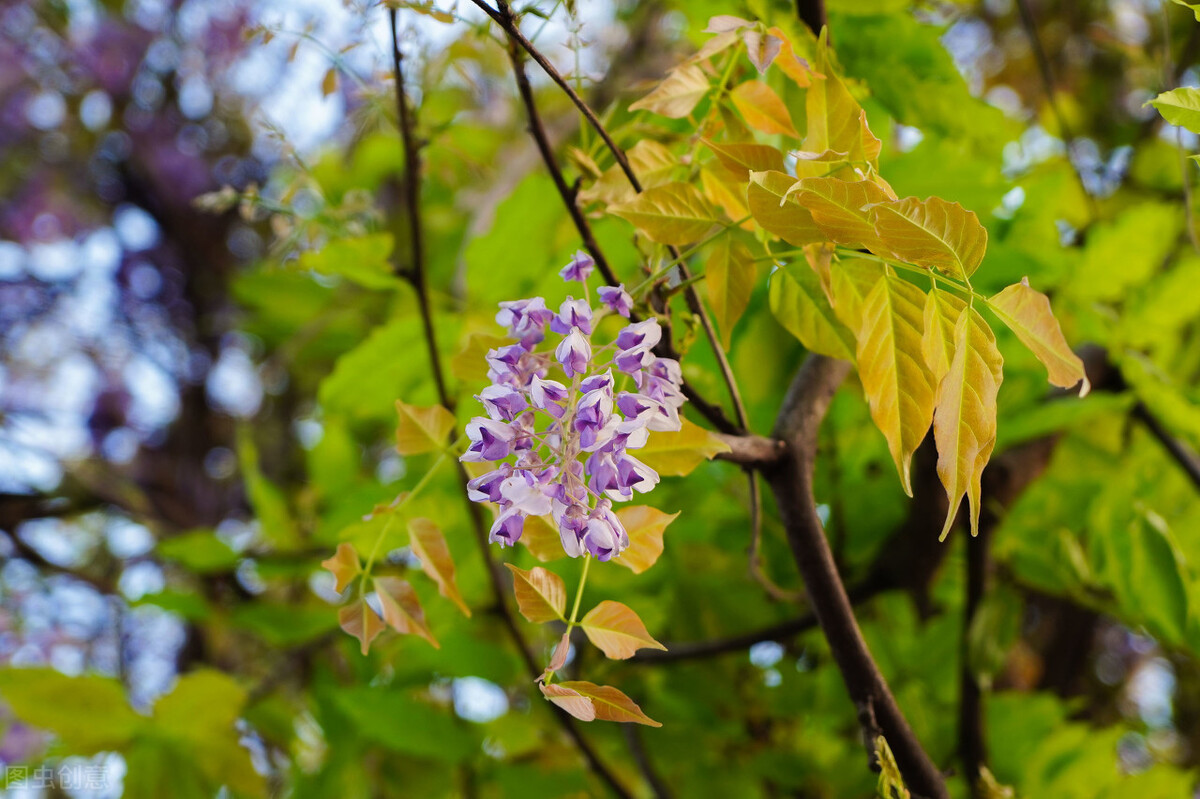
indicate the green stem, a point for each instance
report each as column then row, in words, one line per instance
column 393, row 513
column 587, row 561
column 667, row 267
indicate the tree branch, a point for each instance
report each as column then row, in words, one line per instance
column 791, row 481
column 1174, row 447
column 416, row 275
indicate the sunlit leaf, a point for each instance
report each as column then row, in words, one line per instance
column 541, row 595
column 722, row 190
column 650, row 161
column 851, row 282
column 542, row 540
column 470, row 364
column 899, row 386
column 617, row 631
column 570, row 700
column 835, row 120
column 610, row 704
column 677, row 453
column 799, row 303
column 344, row 565
column 932, row 233
column 429, row 545
column 789, row 63
column 677, row 94
column 1180, row 107
column 841, row 209
column 89, row 713
column 421, row 430
column 360, row 621
column 762, row 109
column 402, row 609
column 964, row 423
column 673, row 213
column 742, row 158
column 645, row 526
column 777, row 212
column 1027, row 313
column 729, row 277
column 363, row 260
column 942, row 310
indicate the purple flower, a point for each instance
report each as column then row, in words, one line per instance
column 580, row 268
column 525, row 320
column 633, row 474
column 572, row 521
column 502, row 402
column 507, row 528
column 618, row 299
column 486, row 487
column 634, row 345
column 573, row 313
column 526, row 491
column 549, row 396
column 489, row 440
column 574, row 352
column 603, row 477
column 640, row 410
column 592, row 417
column 605, row 535
column 602, row 382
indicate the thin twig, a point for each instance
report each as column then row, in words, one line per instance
column 798, row 424
column 753, row 554
column 972, row 749
column 1186, row 459
column 416, row 275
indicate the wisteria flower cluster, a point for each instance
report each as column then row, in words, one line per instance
column 562, row 447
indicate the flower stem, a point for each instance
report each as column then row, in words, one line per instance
column 587, row 561
column 392, row 513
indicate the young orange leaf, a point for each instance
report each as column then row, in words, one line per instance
column 932, row 233
column 800, row 305
column 1027, row 312
column 777, row 212
column 673, row 213
column 344, row 565
column 359, row 620
column 429, row 545
column 609, row 703
column 791, row 64
column 942, row 310
column 559, row 658
column 676, row 454
column 729, row 276
column 401, row 608
column 964, row 424
column 840, row 210
column 742, row 158
column 645, row 526
column 570, row 700
column 761, row 48
column 762, row 109
column 541, row 595
column 542, row 540
column 899, row 386
column 617, row 631
column 422, row 430
column 677, row 94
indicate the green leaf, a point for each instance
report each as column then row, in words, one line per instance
column 422, row 430
column 1180, row 107
column 1156, row 578
column 800, row 305
column 1193, row 7
column 402, row 724
column 363, row 260
column 729, row 276
column 89, row 713
column 269, row 503
column 199, row 551
column 673, row 213
column 676, row 454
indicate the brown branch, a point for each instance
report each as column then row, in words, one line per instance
column 416, row 275
column 798, row 424
column 750, row 450
column 972, row 746
column 1174, row 447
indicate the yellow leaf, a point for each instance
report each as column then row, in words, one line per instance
column 964, row 424
column 470, row 364
column 673, row 213
column 570, row 700
column 851, row 283
column 1027, row 312
column 653, row 164
column 820, row 258
column 835, row 119
column 729, row 275
column 617, row 631
column 401, row 608
column 541, row 538
column 762, row 109
column 329, row 83
column 676, row 454
column 942, row 310
column 730, row 199
column 789, row 63
column 840, row 209
column 742, row 158
column 344, row 565
column 899, row 386
column 777, row 212
column 541, row 595
column 801, row 306
column 645, row 526
column 609, row 703
column 422, row 430
column 677, row 94
column 360, row 621
column 429, row 545
column 932, row 233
